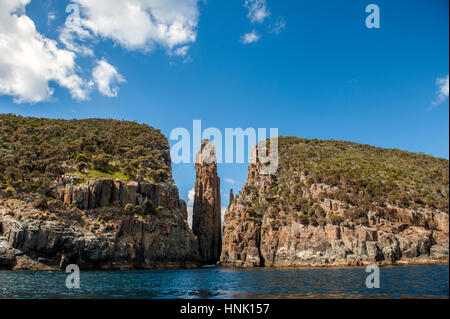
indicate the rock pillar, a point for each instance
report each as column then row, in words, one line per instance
column 207, row 210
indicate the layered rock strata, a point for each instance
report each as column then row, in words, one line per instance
column 59, row 207
column 207, row 208
column 97, row 193
column 258, row 233
column 110, row 224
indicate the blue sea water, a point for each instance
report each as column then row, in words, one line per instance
column 409, row 281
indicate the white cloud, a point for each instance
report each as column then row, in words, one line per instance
column 443, row 91
column 250, row 37
column 74, row 37
column 222, row 213
column 105, row 76
column 190, row 206
column 50, row 17
column 257, row 10
column 29, row 61
column 181, row 51
column 142, row 24
column 230, row 181
column 258, row 13
column 279, row 26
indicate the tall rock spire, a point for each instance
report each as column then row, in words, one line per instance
column 206, row 213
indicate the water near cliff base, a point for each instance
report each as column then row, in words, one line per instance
column 412, row 281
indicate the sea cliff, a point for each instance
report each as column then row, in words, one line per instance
column 100, row 194
column 339, row 203
column 96, row 193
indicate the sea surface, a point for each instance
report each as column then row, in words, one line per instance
column 411, row 281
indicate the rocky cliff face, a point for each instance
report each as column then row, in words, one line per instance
column 292, row 219
column 207, row 209
column 98, row 224
column 97, row 193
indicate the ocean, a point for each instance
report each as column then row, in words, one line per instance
column 405, row 281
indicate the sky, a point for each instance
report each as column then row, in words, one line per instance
column 308, row 68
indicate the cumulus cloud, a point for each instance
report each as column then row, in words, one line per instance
column 105, row 77
column 250, row 37
column 190, row 206
column 142, row 24
column 257, row 10
column 442, row 84
column 29, row 61
column 74, row 36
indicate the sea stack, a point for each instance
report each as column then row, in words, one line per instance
column 206, row 213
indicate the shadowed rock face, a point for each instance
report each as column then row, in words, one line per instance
column 99, row 233
column 125, row 242
column 206, row 212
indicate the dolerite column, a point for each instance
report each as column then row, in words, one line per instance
column 206, row 213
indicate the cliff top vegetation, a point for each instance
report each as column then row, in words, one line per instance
column 36, row 151
column 361, row 178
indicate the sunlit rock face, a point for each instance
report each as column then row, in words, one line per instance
column 206, row 212
column 303, row 216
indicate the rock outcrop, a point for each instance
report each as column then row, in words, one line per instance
column 101, row 224
column 94, row 192
column 110, row 224
column 320, row 230
column 121, row 243
column 97, row 193
column 207, row 209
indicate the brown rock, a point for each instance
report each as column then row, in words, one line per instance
column 132, row 188
column 183, row 208
column 116, row 192
column 106, row 192
column 258, row 233
column 207, row 209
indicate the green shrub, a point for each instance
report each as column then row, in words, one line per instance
column 10, row 191
column 40, row 203
column 101, row 162
column 32, row 149
column 335, row 219
column 129, row 208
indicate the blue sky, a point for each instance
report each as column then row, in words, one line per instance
column 315, row 71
